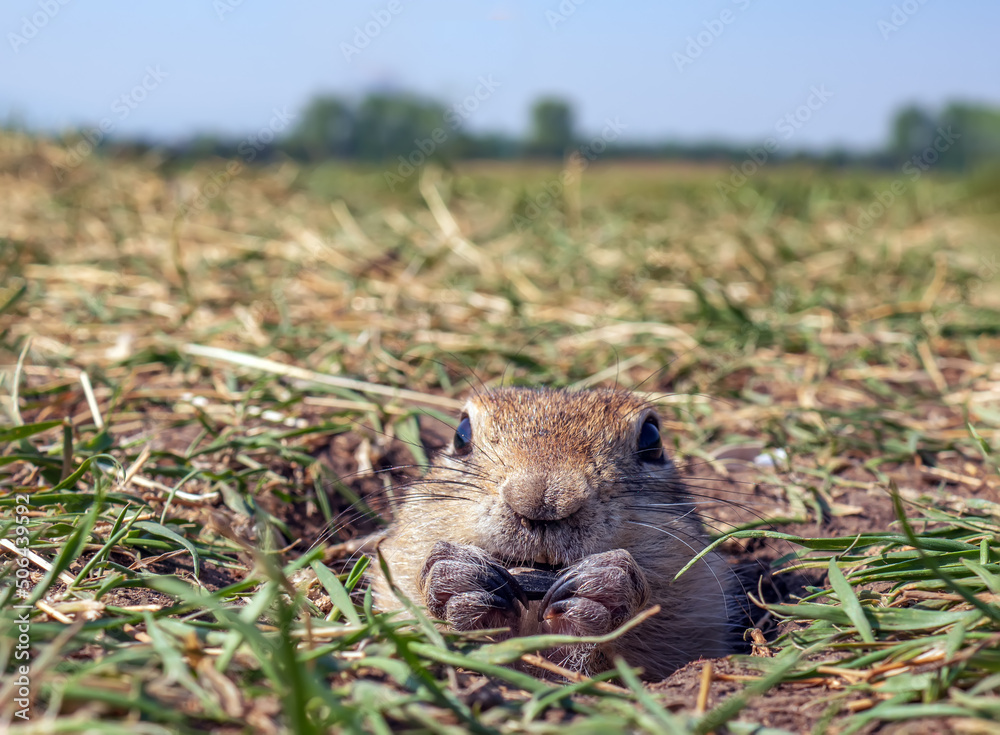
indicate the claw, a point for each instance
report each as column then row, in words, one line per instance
column 564, row 588
column 496, row 601
column 554, row 610
column 595, row 594
column 466, row 587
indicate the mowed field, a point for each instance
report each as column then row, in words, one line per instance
column 214, row 385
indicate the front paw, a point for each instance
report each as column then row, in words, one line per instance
column 595, row 595
column 468, row 589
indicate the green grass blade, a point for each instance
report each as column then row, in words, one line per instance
column 850, row 602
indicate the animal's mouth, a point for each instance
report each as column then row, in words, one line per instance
column 545, row 557
column 541, row 545
column 541, row 525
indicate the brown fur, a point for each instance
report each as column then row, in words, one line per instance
column 569, row 458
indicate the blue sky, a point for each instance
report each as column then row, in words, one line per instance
column 225, row 65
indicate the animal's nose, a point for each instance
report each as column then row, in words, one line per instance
column 542, row 497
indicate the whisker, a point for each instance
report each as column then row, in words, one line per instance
column 693, row 550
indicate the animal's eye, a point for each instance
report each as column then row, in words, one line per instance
column 463, row 437
column 650, row 447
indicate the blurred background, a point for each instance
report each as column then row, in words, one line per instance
column 855, row 82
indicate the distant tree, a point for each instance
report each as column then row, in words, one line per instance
column 973, row 134
column 388, row 126
column 551, row 127
column 325, row 130
column 837, row 157
column 961, row 138
column 207, row 145
column 484, row 146
column 912, row 131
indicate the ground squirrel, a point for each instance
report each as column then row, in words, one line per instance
column 578, row 484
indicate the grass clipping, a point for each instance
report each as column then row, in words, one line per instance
column 208, row 409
